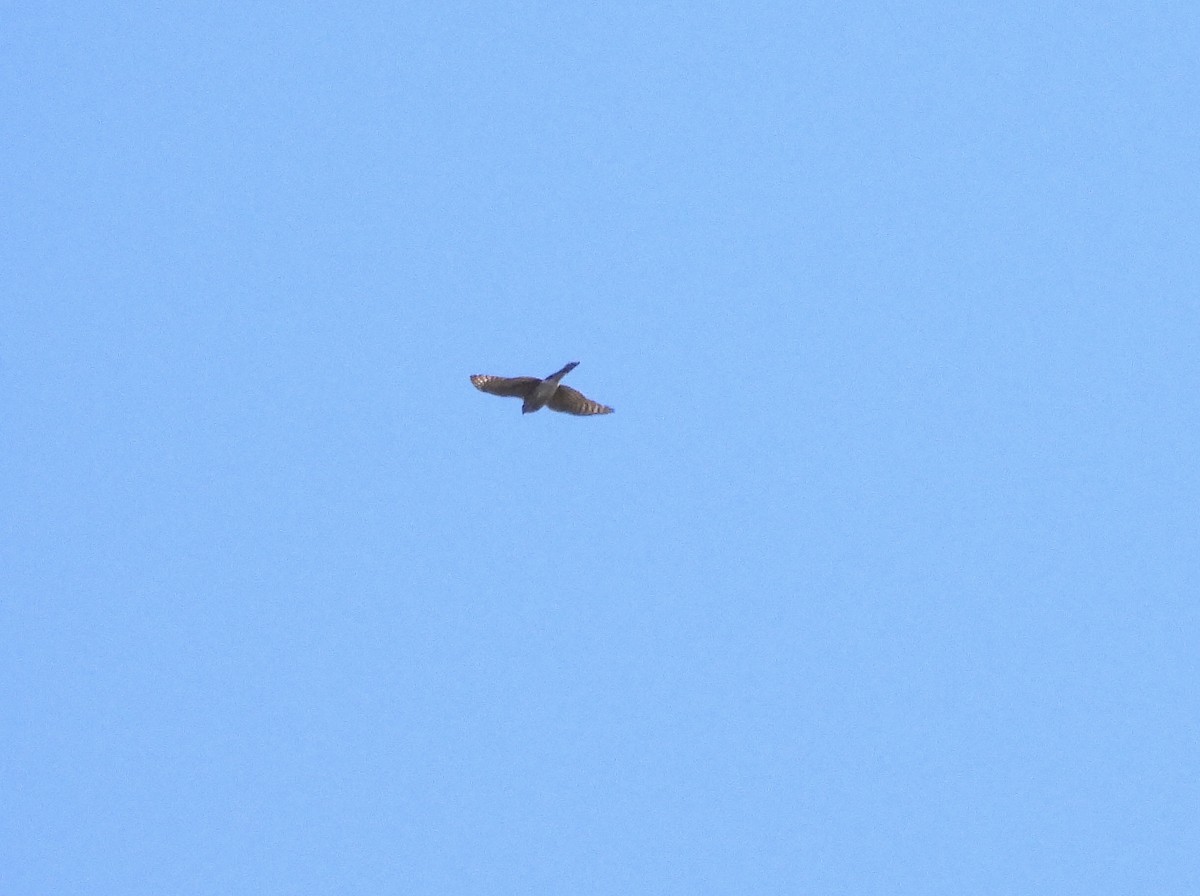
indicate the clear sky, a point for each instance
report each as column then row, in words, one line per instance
column 882, row 579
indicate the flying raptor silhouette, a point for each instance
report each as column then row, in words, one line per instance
column 538, row 393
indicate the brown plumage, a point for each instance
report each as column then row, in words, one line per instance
column 538, row 393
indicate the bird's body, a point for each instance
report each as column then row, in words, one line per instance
column 539, row 393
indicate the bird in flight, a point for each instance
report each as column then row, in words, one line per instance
column 538, row 393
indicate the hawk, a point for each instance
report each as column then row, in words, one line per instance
column 538, row 393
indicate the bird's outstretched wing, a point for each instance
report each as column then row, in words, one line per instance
column 507, row 386
column 570, row 401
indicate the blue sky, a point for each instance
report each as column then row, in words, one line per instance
column 881, row 580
